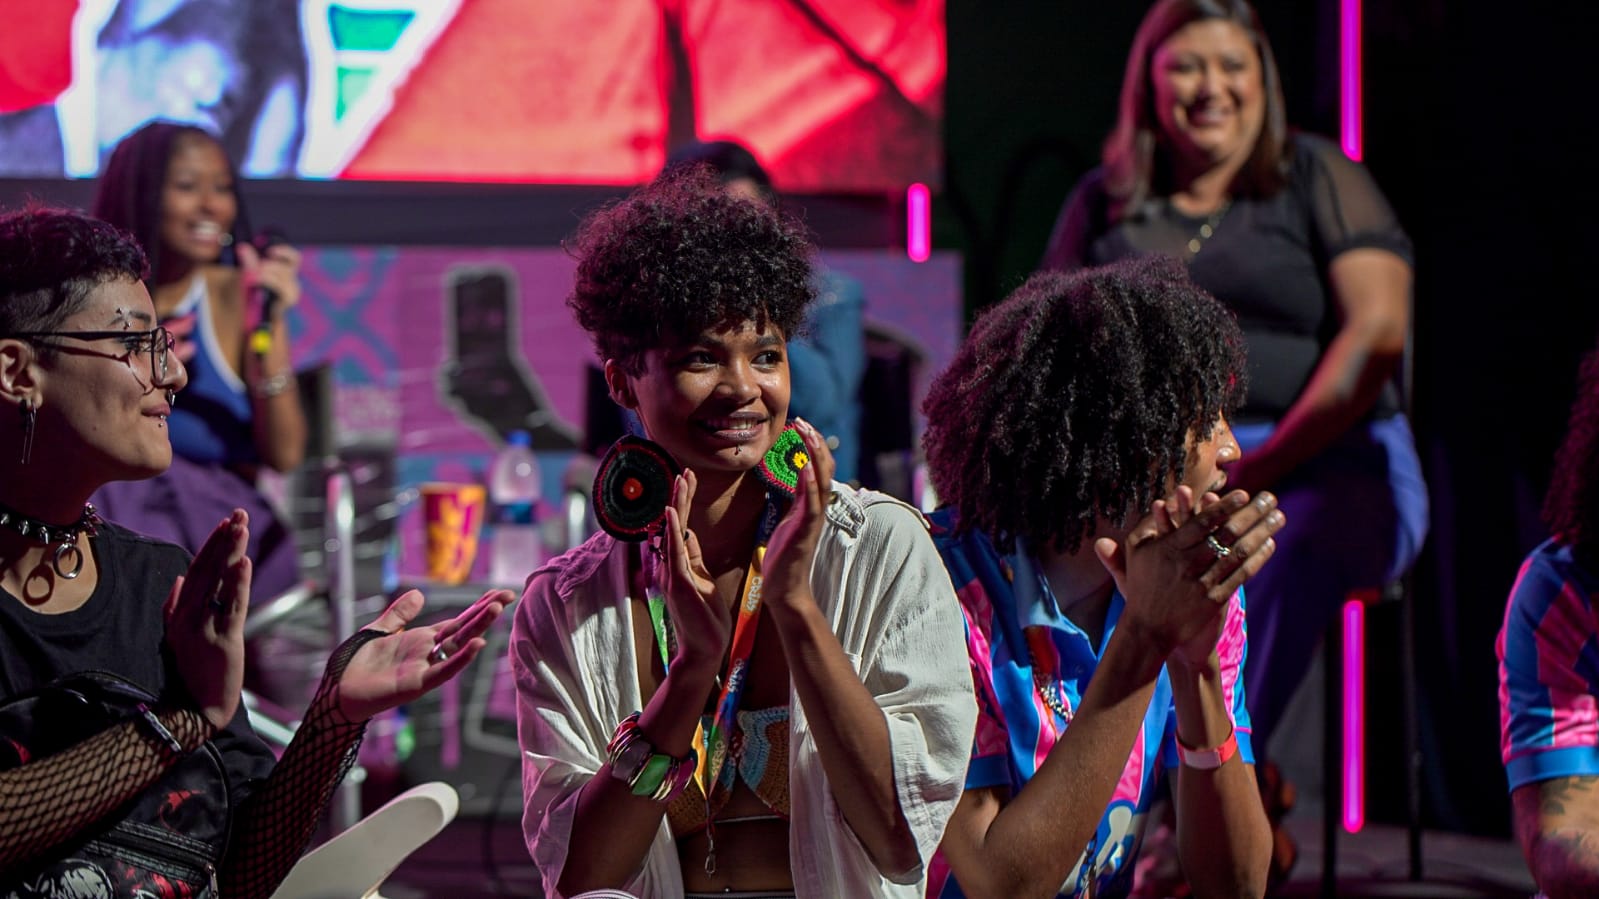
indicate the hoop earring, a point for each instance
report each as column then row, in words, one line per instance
column 30, row 417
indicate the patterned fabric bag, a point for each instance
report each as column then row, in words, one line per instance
column 163, row 844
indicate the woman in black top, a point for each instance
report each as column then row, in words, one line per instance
column 87, row 379
column 1297, row 240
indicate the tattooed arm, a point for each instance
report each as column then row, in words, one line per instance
column 1557, row 823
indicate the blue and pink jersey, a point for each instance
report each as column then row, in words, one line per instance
column 1549, row 670
column 1013, row 624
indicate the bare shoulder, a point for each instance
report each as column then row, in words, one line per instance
column 224, row 286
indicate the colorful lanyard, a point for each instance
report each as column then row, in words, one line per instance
column 713, row 743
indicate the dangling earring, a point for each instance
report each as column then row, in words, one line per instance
column 30, row 417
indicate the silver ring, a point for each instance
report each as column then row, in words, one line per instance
column 1216, row 547
column 438, row 654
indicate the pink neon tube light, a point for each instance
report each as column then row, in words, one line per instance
column 1349, row 78
column 1354, row 805
column 1354, row 618
column 918, row 223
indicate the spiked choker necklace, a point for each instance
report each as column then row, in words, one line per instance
column 63, row 536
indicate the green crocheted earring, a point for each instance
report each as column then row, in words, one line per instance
column 782, row 463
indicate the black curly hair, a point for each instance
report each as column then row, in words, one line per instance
column 1571, row 507
column 1073, row 399
column 680, row 257
column 52, row 259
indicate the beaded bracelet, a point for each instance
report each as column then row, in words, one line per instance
column 653, row 775
column 268, row 388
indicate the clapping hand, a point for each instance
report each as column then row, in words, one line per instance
column 205, row 612
column 1180, row 564
column 408, row 662
column 699, row 619
column 786, row 572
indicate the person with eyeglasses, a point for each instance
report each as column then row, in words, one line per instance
column 173, row 187
column 174, row 795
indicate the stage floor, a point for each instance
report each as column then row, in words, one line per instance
column 483, row 858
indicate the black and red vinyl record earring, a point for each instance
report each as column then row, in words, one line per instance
column 633, row 487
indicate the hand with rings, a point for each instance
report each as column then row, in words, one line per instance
column 410, row 661
column 1234, row 551
column 205, row 612
column 1180, row 565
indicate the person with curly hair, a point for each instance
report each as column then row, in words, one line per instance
column 176, row 796
column 1298, row 241
column 1549, row 674
column 827, row 359
column 770, row 697
column 1077, row 441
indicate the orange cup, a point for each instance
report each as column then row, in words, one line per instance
column 452, row 515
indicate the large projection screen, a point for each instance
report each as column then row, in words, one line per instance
column 834, row 96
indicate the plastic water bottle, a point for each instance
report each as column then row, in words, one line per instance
column 515, row 548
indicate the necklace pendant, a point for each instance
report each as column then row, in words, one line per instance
column 63, row 537
column 77, row 562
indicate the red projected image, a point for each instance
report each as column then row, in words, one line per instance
column 833, row 95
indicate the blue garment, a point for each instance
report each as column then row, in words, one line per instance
column 826, row 363
column 1357, row 516
column 1014, row 623
column 1549, row 669
column 211, row 421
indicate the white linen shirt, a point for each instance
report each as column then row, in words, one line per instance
column 879, row 581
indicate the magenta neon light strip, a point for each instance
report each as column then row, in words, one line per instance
column 1349, row 80
column 1354, row 805
column 918, row 223
column 1354, row 618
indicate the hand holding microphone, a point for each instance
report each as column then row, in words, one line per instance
column 271, row 267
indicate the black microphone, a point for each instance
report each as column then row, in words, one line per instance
column 261, row 337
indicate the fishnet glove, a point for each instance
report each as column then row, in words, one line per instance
column 277, row 821
column 50, row 801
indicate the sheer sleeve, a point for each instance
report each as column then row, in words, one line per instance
column 49, row 801
column 1348, row 211
column 1080, row 222
column 274, row 825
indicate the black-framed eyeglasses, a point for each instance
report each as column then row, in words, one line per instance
column 156, row 342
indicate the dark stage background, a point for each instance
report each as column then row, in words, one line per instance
column 1477, row 129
